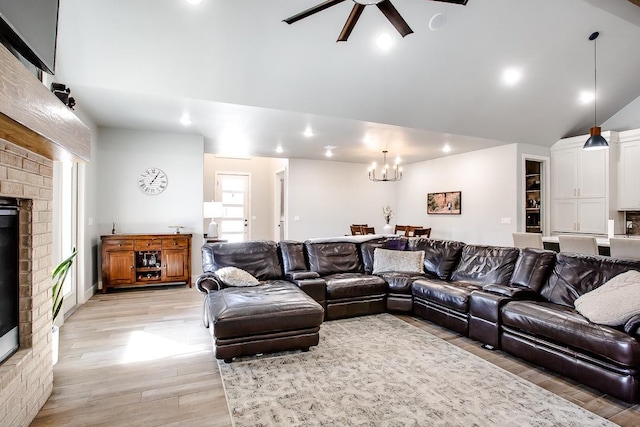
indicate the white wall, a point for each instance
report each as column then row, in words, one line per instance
column 262, row 171
column 626, row 119
column 122, row 155
column 489, row 184
column 327, row 197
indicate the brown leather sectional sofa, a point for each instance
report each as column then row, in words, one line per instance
column 519, row 301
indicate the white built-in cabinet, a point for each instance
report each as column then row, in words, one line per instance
column 583, row 186
column 629, row 171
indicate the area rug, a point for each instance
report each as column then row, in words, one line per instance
column 381, row 371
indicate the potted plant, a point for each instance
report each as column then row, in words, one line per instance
column 58, row 276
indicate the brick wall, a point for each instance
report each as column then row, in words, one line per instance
column 26, row 378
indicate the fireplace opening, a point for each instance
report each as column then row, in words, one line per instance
column 9, row 250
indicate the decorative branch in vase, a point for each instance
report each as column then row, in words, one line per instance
column 387, row 213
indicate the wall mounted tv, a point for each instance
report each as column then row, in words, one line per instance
column 29, row 27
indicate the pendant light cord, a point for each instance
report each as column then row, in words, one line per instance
column 595, row 80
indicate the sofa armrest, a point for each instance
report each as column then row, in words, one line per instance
column 315, row 288
column 513, row 292
column 297, row 275
column 632, row 325
column 208, row 282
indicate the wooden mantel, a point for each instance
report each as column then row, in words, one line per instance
column 34, row 118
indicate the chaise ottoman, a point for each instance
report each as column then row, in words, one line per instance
column 274, row 316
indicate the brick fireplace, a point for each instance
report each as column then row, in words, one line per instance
column 35, row 129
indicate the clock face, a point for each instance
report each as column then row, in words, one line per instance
column 152, row 181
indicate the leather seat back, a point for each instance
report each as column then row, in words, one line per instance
column 333, row 257
column 484, row 265
column 532, row 268
column 367, row 249
column 260, row 258
column 293, row 258
column 574, row 275
column 440, row 256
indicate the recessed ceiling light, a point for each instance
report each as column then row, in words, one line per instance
column 586, row 97
column 511, row 76
column 329, row 150
column 446, row 148
column 384, row 41
column 437, row 21
column 185, row 120
column 308, row 132
column 279, row 149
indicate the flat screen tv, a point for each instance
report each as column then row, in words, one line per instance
column 30, row 27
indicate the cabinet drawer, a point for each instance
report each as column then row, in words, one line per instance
column 117, row 245
column 175, row 243
column 148, row 245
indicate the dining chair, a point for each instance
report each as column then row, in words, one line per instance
column 579, row 244
column 356, row 229
column 623, row 247
column 528, row 240
column 424, row 232
column 368, row 230
column 400, row 230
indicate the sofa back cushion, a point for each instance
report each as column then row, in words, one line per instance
column 333, row 257
column 368, row 248
column 440, row 256
column 260, row 258
column 292, row 256
column 532, row 268
column 574, row 275
column 484, row 265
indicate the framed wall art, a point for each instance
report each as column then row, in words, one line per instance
column 448, row 203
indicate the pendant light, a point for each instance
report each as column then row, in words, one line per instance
column 595, row 141
column 387, row 175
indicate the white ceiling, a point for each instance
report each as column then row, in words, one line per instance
column 251, row 82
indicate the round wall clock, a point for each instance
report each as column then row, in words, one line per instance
column 152, row 181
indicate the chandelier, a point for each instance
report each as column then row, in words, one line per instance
column 395, row 174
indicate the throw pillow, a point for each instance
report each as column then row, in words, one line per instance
column 404, row 261
column 613, row 303
column 233, row 276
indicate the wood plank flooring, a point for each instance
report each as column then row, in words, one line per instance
column 143, row 358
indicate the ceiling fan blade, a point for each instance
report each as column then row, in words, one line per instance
column 462, row 2
column 351, row 22
column 315, row 9
column 394, row 17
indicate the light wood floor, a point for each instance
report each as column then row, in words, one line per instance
column 143, row 358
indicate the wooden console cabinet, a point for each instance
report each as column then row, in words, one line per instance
column 145, row 259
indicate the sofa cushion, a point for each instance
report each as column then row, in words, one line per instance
column 353, row 285
column 367, row 249
column 440, row 256
column 447, row 294
column 273, row 307
column 333, row 257
column 259, row 257
column 532, row 268
column 400, row 282
column 575, row 274
column 483, row 265
column 565, row 326
column 292, row 256
column 613, row 303
column 405, row 261
column 233, row 276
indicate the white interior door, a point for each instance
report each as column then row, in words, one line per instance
column 233, row 190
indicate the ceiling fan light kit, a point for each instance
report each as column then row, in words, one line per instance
column 385, row 6
column 596, row 141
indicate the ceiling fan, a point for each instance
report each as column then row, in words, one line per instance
column 385, row 7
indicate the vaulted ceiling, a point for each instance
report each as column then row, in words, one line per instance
column 250, row 82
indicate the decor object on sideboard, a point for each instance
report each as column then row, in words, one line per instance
column 59, row 275
column 385, row 6
column 397, row 171
column 177, row 228
column 446, row 203
column 595, row 141
column 213, row 210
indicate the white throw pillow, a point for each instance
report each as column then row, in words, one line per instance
column 613, row 303
column 404, row 261
column 233, row 276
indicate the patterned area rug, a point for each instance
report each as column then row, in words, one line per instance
column 380, row 371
